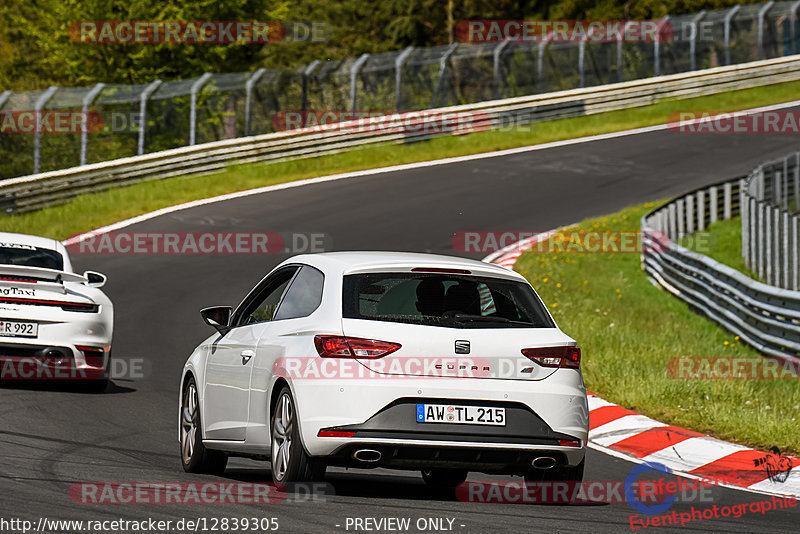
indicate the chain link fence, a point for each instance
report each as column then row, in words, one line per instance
column 138, row 119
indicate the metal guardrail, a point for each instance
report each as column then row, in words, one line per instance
column 770, row 225
column 37, row 191
column 762, row 315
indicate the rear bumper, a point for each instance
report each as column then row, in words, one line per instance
column 29, row 361
column 381, row 413
column 486, row 459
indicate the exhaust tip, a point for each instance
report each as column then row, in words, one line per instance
column 544, row 462
column 368, row 456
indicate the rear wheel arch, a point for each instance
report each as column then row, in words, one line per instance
column 275, row 394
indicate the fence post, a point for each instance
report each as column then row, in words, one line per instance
column 797, row 181
column 689, row 214
column 761, row 14
column 620, row 76
column 143, row 113
column 442, row 70
column 776, row 246
column 681, row 221
column 728, row 18
column 398, row 77
column 701, row 210
column 196, row 86
column 795, row 254
column 581, row 55
column 785, row 250
column 3, row 97
column 248, row 100
column 540, row 61
column 354, row 79
column 744, row 206
column 713, row 208
column 37, row 134
column 693, row 42
column 793, row 27
column 726, row 201
column 498, row 50
column 657, row 47
column 87, row 100
column 767, row 268
column 764, row 242
column 785, row 177
column 673, row 219
column 304, row 97
column 754, row 231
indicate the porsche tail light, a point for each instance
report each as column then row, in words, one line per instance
column 353, row 347
column 569, row 357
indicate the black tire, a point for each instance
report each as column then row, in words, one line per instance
column 444, row 478
column 290, row 462
column 194, row 455
column 557, row 474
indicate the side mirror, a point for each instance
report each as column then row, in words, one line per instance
column 95, row 279
column 219, row 317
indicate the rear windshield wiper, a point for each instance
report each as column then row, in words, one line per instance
column 468, row 318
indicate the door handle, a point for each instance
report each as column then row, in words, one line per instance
column 246, row 355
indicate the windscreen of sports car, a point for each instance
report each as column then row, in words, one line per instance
column 399, row 266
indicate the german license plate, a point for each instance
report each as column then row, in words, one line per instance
column 18, row 329
column 465, row 415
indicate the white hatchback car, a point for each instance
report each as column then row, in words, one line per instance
column 383, row 359
column 54, row 323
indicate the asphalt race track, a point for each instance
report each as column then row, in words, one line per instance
column 51, row 438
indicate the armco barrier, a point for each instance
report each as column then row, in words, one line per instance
column 46, row 189
column 770, row 225
column 764, row 316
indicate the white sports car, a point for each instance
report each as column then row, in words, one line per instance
column 381, row 359
column 54, row 324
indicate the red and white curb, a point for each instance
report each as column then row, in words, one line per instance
column 631, row 436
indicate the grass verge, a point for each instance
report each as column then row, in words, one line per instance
column 91, row 211
column 723, row 243
column 628, row 330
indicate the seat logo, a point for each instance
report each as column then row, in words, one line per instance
column 462, row 347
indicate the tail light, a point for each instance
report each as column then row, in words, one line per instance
column 66, row 306
column 353, row 347
column 569, row 357
column 335, row 434
column 569, row 443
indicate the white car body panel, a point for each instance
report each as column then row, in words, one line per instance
column 557, row 396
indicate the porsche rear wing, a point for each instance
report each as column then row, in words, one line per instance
column 23, row 276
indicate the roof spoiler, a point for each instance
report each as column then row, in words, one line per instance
column 40, row 273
